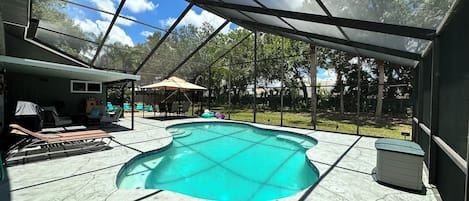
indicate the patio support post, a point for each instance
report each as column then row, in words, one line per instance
column 313, row 71
column 209, row 86
column 420, row 98
column 466, row 190
column 282, row 72
column 132, row 97
column 255, row 76
column 143, row 100
column 229, row 88
column 432, row 146
column 165, row 104
column 359, row 67
column 122, row 100
column 193, row 97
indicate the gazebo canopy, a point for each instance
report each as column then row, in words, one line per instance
column 174, row 83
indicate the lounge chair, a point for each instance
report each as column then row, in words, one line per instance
column 52, row 117
column 35, row 144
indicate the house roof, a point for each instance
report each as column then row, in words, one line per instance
column 35, row 67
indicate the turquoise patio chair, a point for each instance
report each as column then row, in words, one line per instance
column 110, row 107
column 127, row 107
column 139, row 106
column 150, row 108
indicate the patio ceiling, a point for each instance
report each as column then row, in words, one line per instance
column 397, row 31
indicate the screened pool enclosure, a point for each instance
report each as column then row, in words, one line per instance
column 377, row 68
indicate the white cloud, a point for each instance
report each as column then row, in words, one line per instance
column 137, row 6
column 88, row 26
column 168, row 22
column 146, row 33
column 108, row 5
column 116, row 34
column 97, row 27
column 198, row 20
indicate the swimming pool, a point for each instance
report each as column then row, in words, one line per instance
column 225, row 161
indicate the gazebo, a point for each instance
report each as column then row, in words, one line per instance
column 177, row 85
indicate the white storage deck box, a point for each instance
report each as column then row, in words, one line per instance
column 399, row 163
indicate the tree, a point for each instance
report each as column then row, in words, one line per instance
column 313, row 73
column 339, row 61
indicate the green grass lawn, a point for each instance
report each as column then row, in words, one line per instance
column 391, row 129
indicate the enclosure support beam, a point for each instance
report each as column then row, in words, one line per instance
column 229, row 88
column 432, row 146
column 197, row 49
column 122, row 90
column 166, row 35
column 313, row 71
column 466, row 190
column 399, row 30
column 359, row 67
column 255, row 76
column 108, row 31
column 228, row 51
column 375, row 48
column 282, row 71
column 420, row 94
column 209, row 87
column 132, row 106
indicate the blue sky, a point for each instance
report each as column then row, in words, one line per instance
column 159, row 13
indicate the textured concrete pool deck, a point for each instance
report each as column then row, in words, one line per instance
column 345, row 163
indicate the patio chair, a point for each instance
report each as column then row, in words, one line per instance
column 53, row 119
column 139, row 107
column 110, row 107
column 127, row 107
column 96, row 114
column 108, row 119
column 174, row 108
column 35, row 144
column 150, row 108
column 185, row 107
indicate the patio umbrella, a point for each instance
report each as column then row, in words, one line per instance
column 174, row 83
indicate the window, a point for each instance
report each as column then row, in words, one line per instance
column 78, row 86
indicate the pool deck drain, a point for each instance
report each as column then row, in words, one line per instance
column 345, row 163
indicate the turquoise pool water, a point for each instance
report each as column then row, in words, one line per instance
column 225, row 161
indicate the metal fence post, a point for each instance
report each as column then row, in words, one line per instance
column 255, row 76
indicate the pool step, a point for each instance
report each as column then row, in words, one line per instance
column 179, row 133
column 304, row 143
